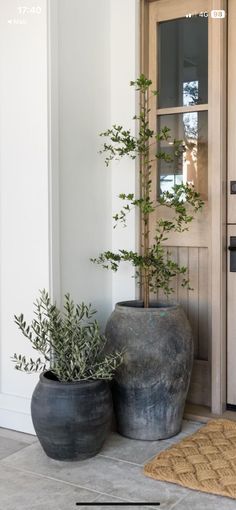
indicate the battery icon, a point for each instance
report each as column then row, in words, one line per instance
column 218, row 14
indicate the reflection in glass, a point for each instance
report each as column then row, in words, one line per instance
column 191, row 166
column 183, row 62
column 190, row 93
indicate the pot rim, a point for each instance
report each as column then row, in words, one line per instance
column 137, row 304
column 83, row 382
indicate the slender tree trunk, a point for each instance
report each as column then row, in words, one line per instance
column 144, row 172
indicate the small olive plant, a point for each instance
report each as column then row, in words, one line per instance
column 152, row 268
column 70, row 342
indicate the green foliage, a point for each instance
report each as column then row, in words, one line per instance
column 153, row 269
column 70, row 342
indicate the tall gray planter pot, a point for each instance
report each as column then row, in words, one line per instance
column 150, row 387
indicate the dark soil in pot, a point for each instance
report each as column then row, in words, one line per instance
column 71, row 420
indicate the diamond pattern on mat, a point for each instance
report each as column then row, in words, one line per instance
column 205, row 461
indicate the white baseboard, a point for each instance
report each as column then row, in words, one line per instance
column 15, row 413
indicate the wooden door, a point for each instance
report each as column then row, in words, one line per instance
column 181, row 66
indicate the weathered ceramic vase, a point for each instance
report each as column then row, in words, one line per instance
column 71, row 420
column 150, row 388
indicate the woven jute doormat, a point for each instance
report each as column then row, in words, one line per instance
column 204, row 461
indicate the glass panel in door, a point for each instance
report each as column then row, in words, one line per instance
column 191, row 166
column 183, row 62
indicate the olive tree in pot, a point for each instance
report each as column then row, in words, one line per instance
column 150, row 387
column 71, row 405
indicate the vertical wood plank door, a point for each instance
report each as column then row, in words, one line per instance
column 180, row 65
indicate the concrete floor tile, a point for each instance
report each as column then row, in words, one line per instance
column 116, row 478
column 131, row 450
column 138, row 452
column 113, row 475
column 24, row 491
column 111, row 499
column 200, row 501
column 10, row 446
column 188, row 428
column 18, row 436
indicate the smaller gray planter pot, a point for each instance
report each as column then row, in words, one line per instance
column 150, row 388
column 71, row 420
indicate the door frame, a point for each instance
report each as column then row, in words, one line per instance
column 231, row 203
column 217, row 184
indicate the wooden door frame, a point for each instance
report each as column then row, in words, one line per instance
column 218, row 198
column 231, row 212
column 217, row 187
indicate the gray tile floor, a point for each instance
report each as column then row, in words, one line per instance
column 31, row 481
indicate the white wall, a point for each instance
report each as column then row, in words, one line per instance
column 85, row 185
column 57, row 196
column 97, row 59
column 24, row 227
column 124, row 68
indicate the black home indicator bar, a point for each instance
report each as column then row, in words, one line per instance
column 127, row 503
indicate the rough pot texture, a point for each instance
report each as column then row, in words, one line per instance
column 150, row 388
column 71, row 420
